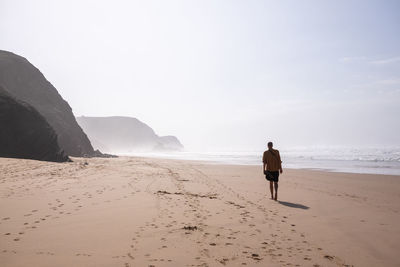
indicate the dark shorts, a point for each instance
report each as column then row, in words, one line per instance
column 272, row 176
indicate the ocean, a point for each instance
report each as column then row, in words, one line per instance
column 335, row 159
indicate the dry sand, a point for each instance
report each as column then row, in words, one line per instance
column 154, row 212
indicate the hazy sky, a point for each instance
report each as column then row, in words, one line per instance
column 222, row 75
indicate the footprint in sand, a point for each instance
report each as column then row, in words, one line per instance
column 255, row 256
column 328, row 257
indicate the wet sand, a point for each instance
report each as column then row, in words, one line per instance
column 154, row 212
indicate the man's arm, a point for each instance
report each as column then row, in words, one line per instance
column 280, row 163
column 264, row 162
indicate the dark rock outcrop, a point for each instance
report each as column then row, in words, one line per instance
column 26, row 83
column 99, row 154
column 25, row 133
column 125, row 134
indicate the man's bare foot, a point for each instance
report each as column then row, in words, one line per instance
column 272, row 197
column 276, row 198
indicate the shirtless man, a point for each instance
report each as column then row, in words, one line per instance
column 272, row 167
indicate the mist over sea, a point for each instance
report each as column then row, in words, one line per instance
column 371, row 160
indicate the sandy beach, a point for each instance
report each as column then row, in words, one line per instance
column 131, row 211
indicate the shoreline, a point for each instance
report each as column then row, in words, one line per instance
column 254, row 165
column 136, row 211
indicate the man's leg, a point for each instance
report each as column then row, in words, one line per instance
column 271, row 188
column 276, row 190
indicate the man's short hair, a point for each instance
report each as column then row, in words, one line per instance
column 270, row 144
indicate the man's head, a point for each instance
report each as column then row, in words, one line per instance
column 270, row 145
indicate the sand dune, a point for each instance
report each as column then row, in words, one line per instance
column 151, row 212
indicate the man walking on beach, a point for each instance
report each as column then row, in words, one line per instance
column 272, row 167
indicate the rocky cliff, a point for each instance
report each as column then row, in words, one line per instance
column 125, row 134
column 26, row 83
column 25, row 133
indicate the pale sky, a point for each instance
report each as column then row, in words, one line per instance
column 222, row 75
